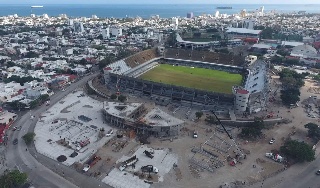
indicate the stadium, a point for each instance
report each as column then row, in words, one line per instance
column 196, row 77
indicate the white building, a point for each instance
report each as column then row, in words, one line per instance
column 175, row 23
column 105, row 33
column 248, row 24
column 78, row 27
column 241, row 101
column 116, row 32
column 304, row 51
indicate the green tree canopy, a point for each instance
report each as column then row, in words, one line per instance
column 290, row 96
column 299, row 151
column 28, row 138
column 313, row 131
column 199, row 114
column 113, row 96
column 122, row 98
column 11, row 179
column 211, row 120
column 253, row 131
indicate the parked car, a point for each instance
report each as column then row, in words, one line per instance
column 272, row 141
column 148, row 154
column 15, row 141
column 318, row 172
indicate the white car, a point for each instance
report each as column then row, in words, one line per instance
column 272, row 141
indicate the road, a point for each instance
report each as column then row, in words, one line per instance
column 306, row 177
column 53, row 174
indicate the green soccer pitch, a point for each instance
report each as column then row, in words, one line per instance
column 192, row 77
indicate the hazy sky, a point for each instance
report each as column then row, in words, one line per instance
column 42, row 2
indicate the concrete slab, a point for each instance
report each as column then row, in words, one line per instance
column 61, row 123
column 163, row 159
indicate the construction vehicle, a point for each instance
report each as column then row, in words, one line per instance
column 149, row 168
column 148, row 154
column 91, row 162
column 128, row 162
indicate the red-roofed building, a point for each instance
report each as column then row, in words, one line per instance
column 6, row 120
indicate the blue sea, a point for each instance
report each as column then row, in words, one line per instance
column 145, row 11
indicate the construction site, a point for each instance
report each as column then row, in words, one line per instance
column 143, row 143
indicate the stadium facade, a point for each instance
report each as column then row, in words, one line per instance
column 123, row 76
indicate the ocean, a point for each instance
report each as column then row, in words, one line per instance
column 145, row 11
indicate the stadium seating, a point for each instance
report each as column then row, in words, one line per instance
column 141, row 57
column 206, row 56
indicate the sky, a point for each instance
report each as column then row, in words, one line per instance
column 43, row 2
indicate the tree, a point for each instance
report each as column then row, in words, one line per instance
column 10, row 64
column 313, row 131
column 12, row 179
column 28, row 138
column 290, row 96
column 199, row 114
column 106, row 61
column 113, row 96
column 211, row 119
column 31, row 55
column 299, row 151
column 122, row 98
column 83, row 61
column 253, row 131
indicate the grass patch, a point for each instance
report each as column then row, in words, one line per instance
column 199, row 78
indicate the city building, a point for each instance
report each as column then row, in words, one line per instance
column 190, row 15
column 78, row 27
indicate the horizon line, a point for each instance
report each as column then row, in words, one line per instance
column 161, row 3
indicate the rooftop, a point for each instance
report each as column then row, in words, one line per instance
column 157, row 117
column 243, row 30
column 122, row 110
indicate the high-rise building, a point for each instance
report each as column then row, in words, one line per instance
column 217, row 14
column 105, row 33
column 78, row 27
column 248, row 24
column 116, row 32
column 190, row 15
column 261, row 10
column 175, row 23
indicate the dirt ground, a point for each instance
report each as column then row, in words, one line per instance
column 253, row 169
column 192, row 176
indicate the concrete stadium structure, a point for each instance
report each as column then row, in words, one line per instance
column 137, row 117
column 122, row 76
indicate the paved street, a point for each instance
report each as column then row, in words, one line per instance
column 53, row 174
column 306, row 178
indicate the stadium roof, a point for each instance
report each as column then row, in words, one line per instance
column 287, row 43
column 157, row 117
column 122, row 110
column 179, row 39
column 243, row 31
column 263, row 46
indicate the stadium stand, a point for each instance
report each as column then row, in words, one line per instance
column 204, row 56
column 142, row 57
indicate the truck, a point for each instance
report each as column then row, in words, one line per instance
column 84, row 143
column 91, row 162
column 109, row 133
column 128, row 162
column 148, row 154
column 150, row 168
